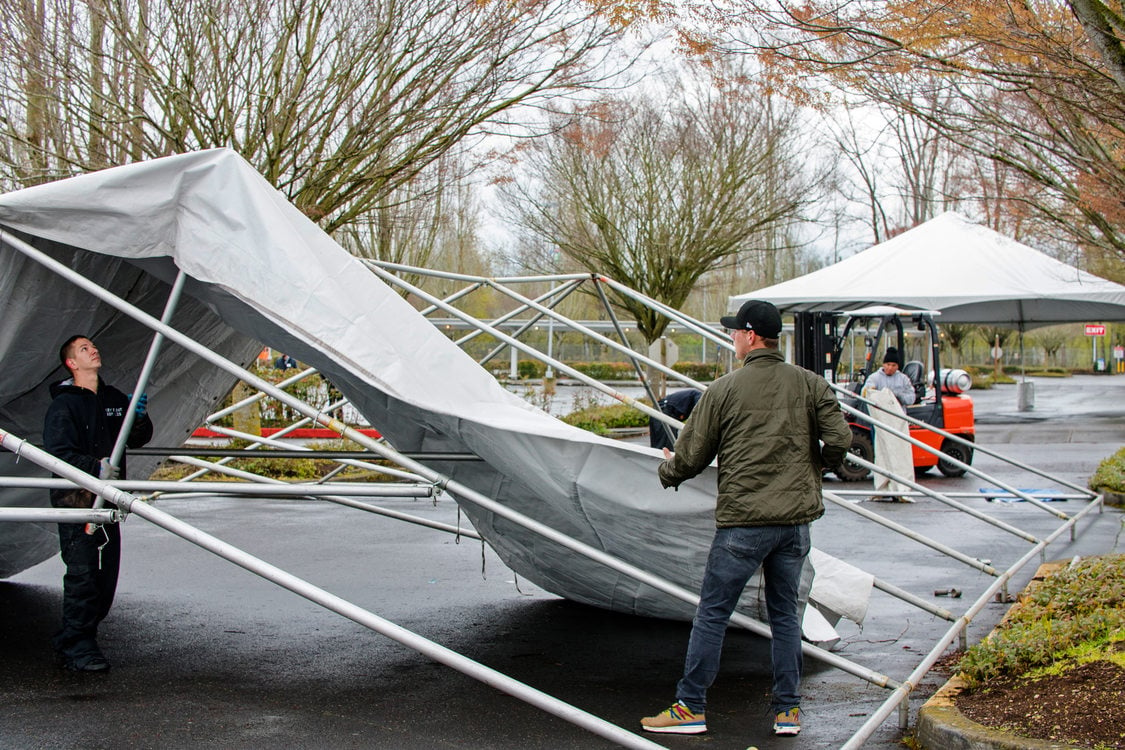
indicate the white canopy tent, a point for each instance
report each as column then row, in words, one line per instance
column 968, row 272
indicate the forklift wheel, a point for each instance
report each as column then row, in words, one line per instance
column 962, row 453
column 862, row 447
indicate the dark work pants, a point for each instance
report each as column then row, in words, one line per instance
column 88, row 587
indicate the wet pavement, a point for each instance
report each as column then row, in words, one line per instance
column 206, row 655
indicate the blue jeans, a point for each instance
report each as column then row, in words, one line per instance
column 736, row 554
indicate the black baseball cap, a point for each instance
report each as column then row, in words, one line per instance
column 755, row 315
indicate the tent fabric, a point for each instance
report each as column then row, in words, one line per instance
column 892, row 453
column 260, row 271
column 968, row 272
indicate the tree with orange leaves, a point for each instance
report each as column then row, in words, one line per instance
column 1037, row 86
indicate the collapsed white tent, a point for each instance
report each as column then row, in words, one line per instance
column 968, row 272
column 259, row 271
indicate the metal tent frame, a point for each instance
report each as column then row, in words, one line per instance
column 418, row 480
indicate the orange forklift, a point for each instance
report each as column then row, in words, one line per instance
column 820, row 340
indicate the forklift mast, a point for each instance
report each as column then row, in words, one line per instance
column 815, row 342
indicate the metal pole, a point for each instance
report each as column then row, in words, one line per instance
column 902, row 692
column 59, row 515
column 926, row 491
column 560, row 366
column 467, row 493
column 906, row 596
column 468, row 278
column 671, row 434
column 670, row 312
column 260, row 489
column 975, row 446
column 142, row 383
column 960, row 464
column 567, row 321
column 920, row 538
column 146, row 370
column 332, row 602
column 259, row 396
column 563, row 293
column 452, row 298
column 274, row 441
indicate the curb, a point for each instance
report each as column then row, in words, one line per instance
column 941, row 726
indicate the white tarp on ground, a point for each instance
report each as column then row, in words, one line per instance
column 967, row 271
column 259, row 271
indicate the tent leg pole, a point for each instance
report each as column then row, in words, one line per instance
column 194, row 347
column 332, row 602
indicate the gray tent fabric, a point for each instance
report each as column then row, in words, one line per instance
column 968, row 272
column 260, row 271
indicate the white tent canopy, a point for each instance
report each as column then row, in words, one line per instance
column 260, row 271
column 968, row 272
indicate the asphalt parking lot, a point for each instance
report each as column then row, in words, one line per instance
column 206, row 655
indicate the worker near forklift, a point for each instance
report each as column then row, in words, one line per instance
column 888, row 376
column 765, row 423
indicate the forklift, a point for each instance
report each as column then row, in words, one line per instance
column 819, row 342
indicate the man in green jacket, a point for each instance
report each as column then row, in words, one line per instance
column 764, row 423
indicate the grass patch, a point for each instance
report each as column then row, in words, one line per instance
column 1110, row 474
column 1075, row 616
column 601, row 419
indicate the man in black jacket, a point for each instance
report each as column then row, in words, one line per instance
column 81, row 427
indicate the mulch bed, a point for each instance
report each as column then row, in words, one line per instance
column 1085, row 706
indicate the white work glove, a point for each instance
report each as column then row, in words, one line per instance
column 107, row 471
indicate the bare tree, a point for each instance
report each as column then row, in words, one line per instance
column 337, row 102
column 1051, row 340
column 657, row 190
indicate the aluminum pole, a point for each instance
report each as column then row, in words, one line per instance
column 949, row 459
column 332, row 602
column 501, row 336
column 669, row 432
column 468, row 278
column 274, row 441
column 525, row 326
column 920, row 538
column 60, row 515
column 535, row 306
column 142, row 383
column 254, row 489
column 927, row 492
column 902, row 692
column 597, row 336
column 672, row 313
column 975, row 446
column 465, row 492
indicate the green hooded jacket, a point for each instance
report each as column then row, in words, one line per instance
column 764, row 423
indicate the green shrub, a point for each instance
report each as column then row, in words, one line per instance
column 601, row 419
column 703, row 372
column 1078, row 606
column 530, row 369
column 1110, row 474
column 606, row 370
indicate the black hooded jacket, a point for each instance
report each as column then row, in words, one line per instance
column 81, row 426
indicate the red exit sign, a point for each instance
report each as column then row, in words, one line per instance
column 1095, row 329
